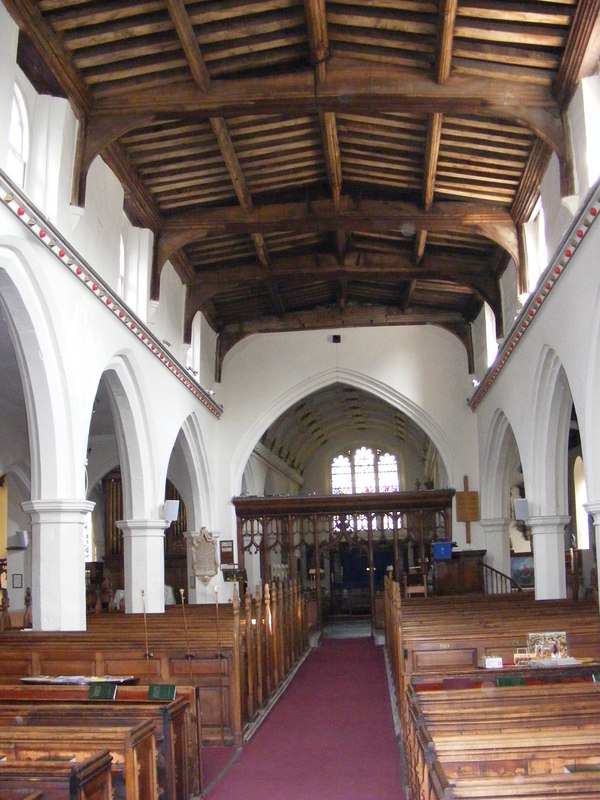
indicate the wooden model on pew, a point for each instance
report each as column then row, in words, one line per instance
column 542, row 648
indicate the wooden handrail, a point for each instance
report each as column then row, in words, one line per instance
column 497, row 582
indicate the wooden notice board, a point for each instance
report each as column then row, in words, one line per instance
column 467, row 506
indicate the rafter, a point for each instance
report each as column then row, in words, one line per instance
column 447, row 16
column 189, row 42
column 318, row 40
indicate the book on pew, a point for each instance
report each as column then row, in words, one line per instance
column 102, row 691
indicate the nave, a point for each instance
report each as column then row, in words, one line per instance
column 330, row 735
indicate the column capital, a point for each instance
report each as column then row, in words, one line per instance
column 498, row 523
column 594, row 510
column 56, row 507
column 142, row 527
column 554, row 524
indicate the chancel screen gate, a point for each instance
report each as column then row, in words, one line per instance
column 339, row 547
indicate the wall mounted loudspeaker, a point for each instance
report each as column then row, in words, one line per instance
column 21, row 540
column 521, row 509
column 171, row 510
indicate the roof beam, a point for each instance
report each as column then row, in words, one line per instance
column 446, row 18
column 355, row 317
column 321, row 215
column 353, row 86
column 357, row 266
column 32, row 22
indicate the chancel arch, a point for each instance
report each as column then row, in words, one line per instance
column 342, row 553
column 347, row 378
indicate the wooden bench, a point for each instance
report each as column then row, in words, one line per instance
column 21, row 794
column 175, row 775
column 87, row 779
column 236, row 666
column 134, row 768
column 582, row 785
column 472, row 742
column 452, row 634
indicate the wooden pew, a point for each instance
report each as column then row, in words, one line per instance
column 231, row 666
column 87, row 779
column 452, row 634
column 132, row 749
column 171, row 732
column 18, row 795
column 474, row 742
column 177, row 735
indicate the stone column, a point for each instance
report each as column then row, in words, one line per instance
column 594, row 510
column 144, row 564
column 58, row 563
column 497, row 543
column 548, row 545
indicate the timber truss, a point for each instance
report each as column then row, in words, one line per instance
column 321, row 164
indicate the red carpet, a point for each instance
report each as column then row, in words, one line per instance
column 330, row 736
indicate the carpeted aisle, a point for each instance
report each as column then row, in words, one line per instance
column 330, row 736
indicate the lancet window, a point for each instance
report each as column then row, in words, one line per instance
column 18, row 139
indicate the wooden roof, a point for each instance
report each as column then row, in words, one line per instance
column 321, row 164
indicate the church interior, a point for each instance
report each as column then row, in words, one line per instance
column 300, row 367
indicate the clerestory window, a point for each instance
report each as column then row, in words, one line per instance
column 18, row 139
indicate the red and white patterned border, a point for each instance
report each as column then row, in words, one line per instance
column 31, row 218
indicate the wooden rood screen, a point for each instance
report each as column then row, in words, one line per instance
column 296, row 531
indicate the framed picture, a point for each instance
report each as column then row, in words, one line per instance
column 521, row 571
column 17, row 580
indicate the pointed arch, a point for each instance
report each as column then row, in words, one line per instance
column 42, row 378
column 548, row 468
column 500, row 462
column 133, row 438
column 188, row 469
column 361, row 381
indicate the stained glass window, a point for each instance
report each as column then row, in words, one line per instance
column 341, row 475
column 387, row 473
column 355, row 473
column 364, row 471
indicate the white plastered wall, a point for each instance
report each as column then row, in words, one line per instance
column 423, row 371
column 556, row 361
